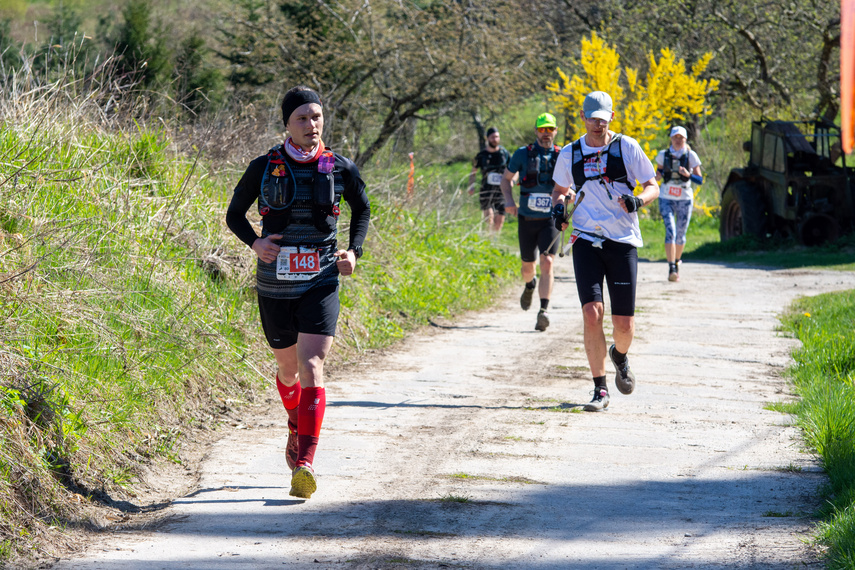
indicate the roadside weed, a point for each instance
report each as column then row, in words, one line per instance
column 783, row 407
column 450, row 498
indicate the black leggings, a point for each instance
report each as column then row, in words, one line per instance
column 617, row 263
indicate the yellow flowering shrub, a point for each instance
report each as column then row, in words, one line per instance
column 668, row 94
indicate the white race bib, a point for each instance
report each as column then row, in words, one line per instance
column 292, row 264
column 494, row 178
column 674, row 191
column 540, row 203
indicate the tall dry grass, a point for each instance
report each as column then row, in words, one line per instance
column 126, row 313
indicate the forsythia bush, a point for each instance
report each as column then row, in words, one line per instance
column 669, row 94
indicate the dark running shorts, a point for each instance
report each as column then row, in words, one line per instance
column 535, row 235
column 617, row 263
column 314, row 312
column 492, row 197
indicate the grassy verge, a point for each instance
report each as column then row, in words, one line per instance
column 425, row 256
column 128, row 313
column 824, row 378
column 781, row 253
column 703, row 230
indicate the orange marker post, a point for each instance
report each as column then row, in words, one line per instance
column 411, row 182
column 847, row 73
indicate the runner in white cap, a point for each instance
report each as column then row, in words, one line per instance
column 605, row 166
column 678, row 167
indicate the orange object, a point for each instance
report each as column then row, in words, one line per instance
column 847, row 73
column 411, row 182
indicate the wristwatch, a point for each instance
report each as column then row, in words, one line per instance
column 357, row 250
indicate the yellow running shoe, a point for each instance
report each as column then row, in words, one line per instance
column 303, row 482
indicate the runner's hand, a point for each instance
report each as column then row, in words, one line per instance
column 265, row 249
column 559, row 214
column 511, row 209
column 630, row 203
column 346, row 261
column 471, row 189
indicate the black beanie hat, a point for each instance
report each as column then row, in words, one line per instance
column 297, row 97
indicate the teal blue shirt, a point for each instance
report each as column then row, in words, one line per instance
column 535, row 195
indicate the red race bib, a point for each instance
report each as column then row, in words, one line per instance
column 308, row 262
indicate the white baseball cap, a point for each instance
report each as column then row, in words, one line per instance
column 679, row 131
column 598, row 105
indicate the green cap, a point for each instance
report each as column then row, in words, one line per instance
column 545, row 120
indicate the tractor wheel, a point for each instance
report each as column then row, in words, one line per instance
column 742, row 211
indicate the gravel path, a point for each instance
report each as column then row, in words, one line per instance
column 466, row 447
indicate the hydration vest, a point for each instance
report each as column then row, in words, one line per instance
column 533, row 171
column 289, row 197
column 668, row 162
column 615, row 168
column 491, row 163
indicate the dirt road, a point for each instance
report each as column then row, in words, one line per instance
column 466, row 447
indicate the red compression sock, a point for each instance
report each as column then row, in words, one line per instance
column 291, row 400
column 313, row 403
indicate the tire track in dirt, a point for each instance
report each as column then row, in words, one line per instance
column 689, row 471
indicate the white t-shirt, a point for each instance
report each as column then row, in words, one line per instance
column 598, row 213
column 676, row 189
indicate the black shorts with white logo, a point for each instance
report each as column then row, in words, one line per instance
column 314, row 312
column 617, row 263
column 535, row 235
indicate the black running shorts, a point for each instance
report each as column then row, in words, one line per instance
column 535, row 235
column 314, row 312
column 617, row 263
column 492, row 197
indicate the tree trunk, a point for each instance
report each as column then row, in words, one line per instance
column 479, row 128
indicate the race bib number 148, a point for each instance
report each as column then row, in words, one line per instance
column 295, row 265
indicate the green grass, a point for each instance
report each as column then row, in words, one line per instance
column 824, row 378
column 781, row 253
column 423, row 258
column 782, row 407
column 702, row 230
column 116, row 338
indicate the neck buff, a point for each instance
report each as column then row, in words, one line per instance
column 300, row 155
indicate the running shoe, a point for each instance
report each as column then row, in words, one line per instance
column 527, row 294
column 542, row 321
column 303, row 482
column 292, row 447
column 673, row 275
column 624, row 378
column 600, row 401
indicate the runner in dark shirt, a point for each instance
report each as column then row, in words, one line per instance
column 298, row 186
column 491, row 161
